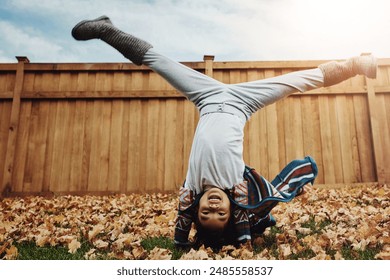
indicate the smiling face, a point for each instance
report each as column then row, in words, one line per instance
column 214, row 209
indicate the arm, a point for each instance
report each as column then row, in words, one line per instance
column 184, row 217
column 239, row 195
column 242, row 225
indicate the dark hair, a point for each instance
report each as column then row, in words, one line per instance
column 215, row 239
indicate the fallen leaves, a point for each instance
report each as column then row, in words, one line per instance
column 73, row 246
column 95, row 231
column 200, row 254
column 11, row 253
column 317, row 225
column 159, row 254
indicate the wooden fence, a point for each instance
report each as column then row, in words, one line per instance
column 119, row 128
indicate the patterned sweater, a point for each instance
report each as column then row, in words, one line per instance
column 252, row 200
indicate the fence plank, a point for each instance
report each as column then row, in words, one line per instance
column 95, row 155
column 77, row 134
column 375, row 131
column 22, row 147
column 345, row 134
column 5, row 114
column 170, row 157
column 384, row 126
column 326, row 140
column 58, row 149
column 366, row 157
column 69, row 109
column 7, row 182
column 125, row 158
column 37, row 158
column 87, row 145
column 134, row 151
column 386, row 104
column 310, row 128
column 105, row 145
column 151, row 141
column 114, row 171
column 51, row 130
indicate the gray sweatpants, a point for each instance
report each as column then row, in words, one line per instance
column 247, row 97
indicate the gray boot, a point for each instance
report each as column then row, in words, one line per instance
column 102, row 28
column 335, row 72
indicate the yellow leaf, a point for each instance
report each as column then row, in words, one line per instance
column 95, row 231
column 100, row 244
column 73, row 246
column 338, row 256
column 11, row 253
column 195, row 255
column 161, row 219
column 59, row 218
column 139, row 253
column 42, row 240
column 246, row 254
column 285, row 250
column 160, row 254
column 304, row 230
column 90, row 255
column 381, row 192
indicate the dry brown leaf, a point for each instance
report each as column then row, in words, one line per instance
column 383, row 256
column 3, row 248
column 100, row 244
column 73, row 246
column 90, row 255
column 200, row 254
column 139, row 253
column 160, row 254
column 95, row 231
column 285, row 250
column 246, row 254
column 304, row 230
column 338, row 256
column 11, row 253
column 42, row 240
column 242, row 253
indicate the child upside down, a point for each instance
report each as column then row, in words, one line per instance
column 227, row 201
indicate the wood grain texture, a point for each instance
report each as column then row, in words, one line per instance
column 118, row 128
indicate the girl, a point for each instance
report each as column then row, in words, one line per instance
column 219, row 189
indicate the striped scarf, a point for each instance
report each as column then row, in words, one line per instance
column 253, row 199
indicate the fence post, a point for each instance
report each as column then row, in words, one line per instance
column 375, row 131
column 208, row 60
column 6, row 185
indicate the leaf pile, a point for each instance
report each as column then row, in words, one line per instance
column 322, row 224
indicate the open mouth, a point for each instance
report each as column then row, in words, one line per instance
column 215, row 198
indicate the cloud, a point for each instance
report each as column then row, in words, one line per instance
column 27, row 41
column 186, row 30
column 183, row 30
column 5, row 58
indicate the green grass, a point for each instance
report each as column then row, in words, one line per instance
column 368, row 254
column 269, row 242
column 30, row 251
column 316, row 227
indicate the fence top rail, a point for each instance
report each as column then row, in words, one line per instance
column 201, row 65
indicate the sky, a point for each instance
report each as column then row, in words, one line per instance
column 186, row 30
